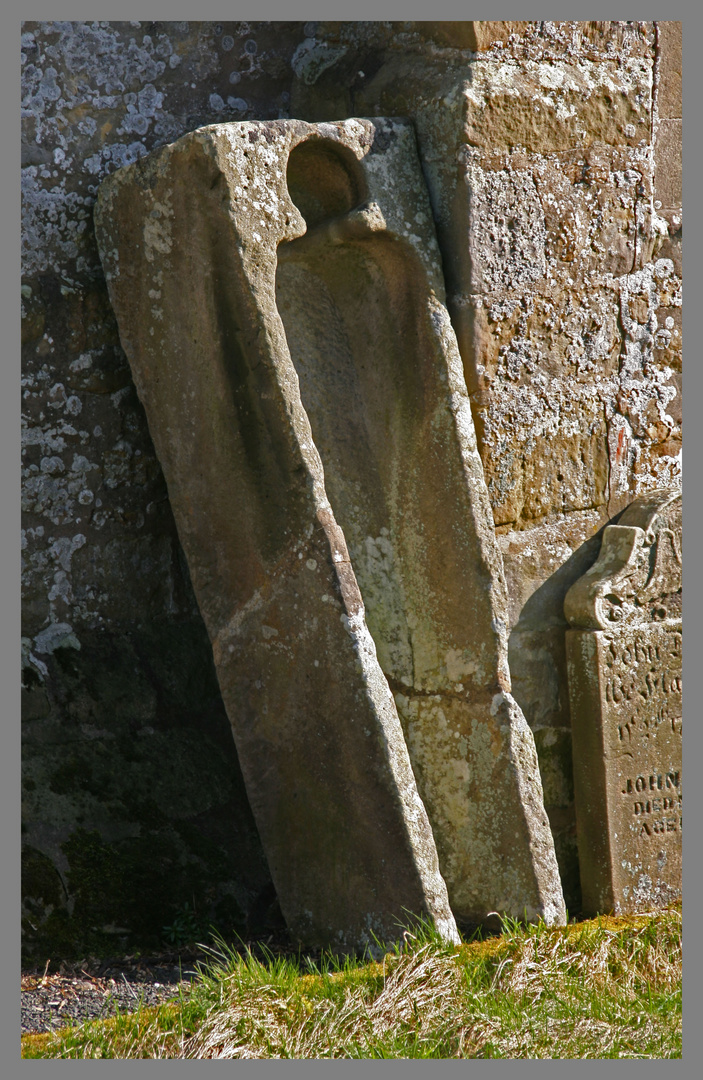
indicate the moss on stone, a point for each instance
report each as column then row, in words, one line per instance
column 134, row 803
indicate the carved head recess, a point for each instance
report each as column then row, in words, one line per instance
column 324, row 180
column 636, row 578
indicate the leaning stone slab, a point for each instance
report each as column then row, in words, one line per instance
column 279, row 294
column 624, row 668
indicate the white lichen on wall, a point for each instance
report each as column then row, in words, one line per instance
column 97, row 95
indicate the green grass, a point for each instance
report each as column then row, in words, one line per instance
column 606, row 988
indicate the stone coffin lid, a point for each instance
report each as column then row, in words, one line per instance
column 637, row 576
column 279, row 295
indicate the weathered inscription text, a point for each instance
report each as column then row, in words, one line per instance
column 626, row 717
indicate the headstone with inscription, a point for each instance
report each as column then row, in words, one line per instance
column 624, row 668
column 279, row 294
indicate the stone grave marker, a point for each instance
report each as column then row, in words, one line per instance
column 279, row 294
column 624, row 669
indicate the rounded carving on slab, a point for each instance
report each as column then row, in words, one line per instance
column 637, row 576
column 324, row 180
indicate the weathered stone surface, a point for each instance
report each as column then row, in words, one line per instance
column 474, row 34
column 543, row 40
column 322, row 752
column 667, row 155
column 380, row 471
column 542, row 253
column 566, row 219
column 669, row 58
column 133, row 802
column 637, row 577
column 671, row 245
column 621, row 422
column 547, row 107
column 566, row 309
column 541, row 564
column 527, row 477
column 625, row 687
column 359, row 290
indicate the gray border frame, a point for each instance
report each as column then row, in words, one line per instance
column 689, row 13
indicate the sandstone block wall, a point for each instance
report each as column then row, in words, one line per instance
column 547, row 155
column 552, row 156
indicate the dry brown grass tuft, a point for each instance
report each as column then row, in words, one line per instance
column 417, row 988
column 604, row 988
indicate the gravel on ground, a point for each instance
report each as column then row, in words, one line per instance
column 89, row 990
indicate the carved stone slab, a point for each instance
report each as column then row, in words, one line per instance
column 279, row 294
column 625, row 693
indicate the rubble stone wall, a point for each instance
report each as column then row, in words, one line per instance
column 552, row 154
